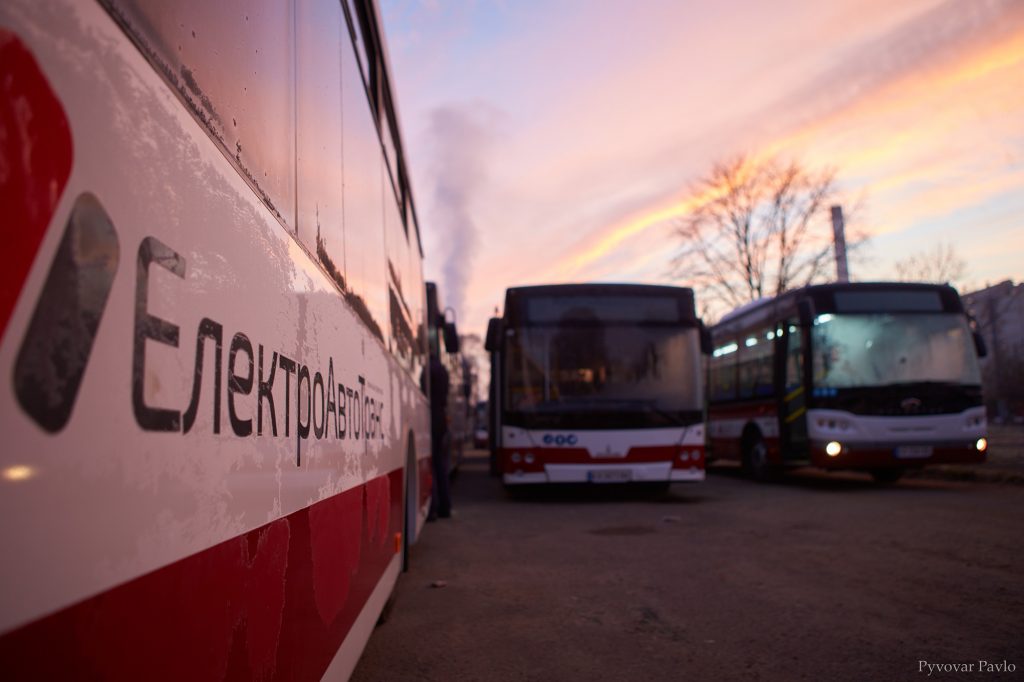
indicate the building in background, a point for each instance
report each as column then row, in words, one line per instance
column 999, row 311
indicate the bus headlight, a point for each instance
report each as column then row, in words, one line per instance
column 981, row 444
column 833, row 448
column 684, row 455
column 529, row 458
column 516, row 457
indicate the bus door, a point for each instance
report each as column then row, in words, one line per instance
column 791, row 391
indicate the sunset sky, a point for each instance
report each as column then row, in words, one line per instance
column 557, row 141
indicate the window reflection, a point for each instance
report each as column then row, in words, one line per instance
column 232, row 62
column 614, row 366
column 875, row 350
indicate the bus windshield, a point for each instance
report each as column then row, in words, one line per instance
column 884, row 349
column 611, row 375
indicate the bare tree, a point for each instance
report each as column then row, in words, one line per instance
column 940, row 264
column 758, row 228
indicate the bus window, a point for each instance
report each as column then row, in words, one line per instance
column 366, row 263
column 233, row 65
column 891, row 348
column 755, row 365
column 401, row 329
column 794, row 356
column 723, row 371
column 321, row 39
column 367, row 52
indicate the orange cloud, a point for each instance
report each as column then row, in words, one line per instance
column 914, row 108
column 897, row 138
column 613, row 238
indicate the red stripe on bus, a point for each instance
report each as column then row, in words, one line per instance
column 35, row 162
column 644, row 454
column 855, row 456
column 274, row 603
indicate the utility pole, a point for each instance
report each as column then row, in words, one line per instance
column 839, row 235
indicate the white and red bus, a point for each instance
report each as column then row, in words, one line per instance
column 215, row 446
column 878, row 377
column 597, row 383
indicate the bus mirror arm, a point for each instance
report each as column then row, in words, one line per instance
column 493, row 335
column 979, row 344
column 705, row 339
column 980, row 347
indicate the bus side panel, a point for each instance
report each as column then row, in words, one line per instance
column 222, row 499
column 254, row 606
column 728, row 422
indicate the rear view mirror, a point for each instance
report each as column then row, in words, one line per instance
column 433, row 305
column 705, row 339
column 493, row 335
column 451, row 337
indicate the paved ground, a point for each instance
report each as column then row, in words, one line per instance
column 1005, row 460
column 820, row 577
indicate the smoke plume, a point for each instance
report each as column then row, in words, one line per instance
column 460, row 139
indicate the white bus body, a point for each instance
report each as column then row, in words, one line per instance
column 215, row 448
column 597, row 383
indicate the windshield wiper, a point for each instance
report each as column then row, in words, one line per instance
column 924, row 384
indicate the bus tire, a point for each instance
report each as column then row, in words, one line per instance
column 410, row 506
column 755, row 459
column 492, row 462
column 886, row 476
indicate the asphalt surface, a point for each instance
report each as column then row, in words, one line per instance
column 819, row 577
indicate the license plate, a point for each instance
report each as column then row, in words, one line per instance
column 913, row 451
column 609, row 476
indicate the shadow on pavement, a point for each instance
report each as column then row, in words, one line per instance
column 841, row 481
column 558, row 493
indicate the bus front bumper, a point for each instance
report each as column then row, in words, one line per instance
column 620, row 472
column 878, row 456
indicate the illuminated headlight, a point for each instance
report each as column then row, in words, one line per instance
column 833, row 448
column 529, row 458
column 981, row 444
column 516, row 457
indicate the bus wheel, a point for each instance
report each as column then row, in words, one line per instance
column 756, row 460
column 409, row 505
column 886, row 475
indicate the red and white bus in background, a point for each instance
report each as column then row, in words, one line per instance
column 597, row 383
column 878, row 377
column 215, row 447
